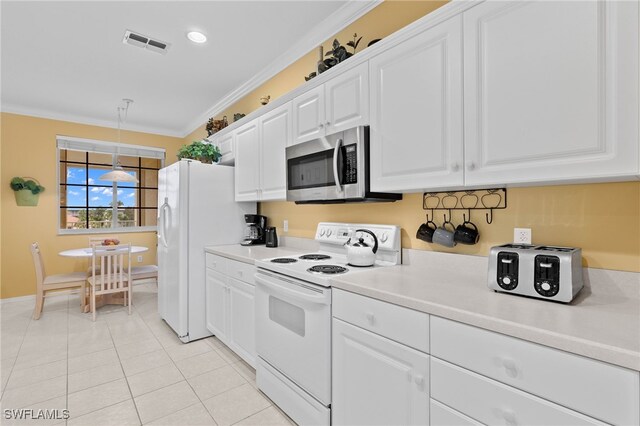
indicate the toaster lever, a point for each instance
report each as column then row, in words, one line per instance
column 546, row 265
column 506, row 260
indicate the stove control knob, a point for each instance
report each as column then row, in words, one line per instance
column 506, row 280
column 545, row 286
column 384, row 237
column 321, row 232
column 328, row 232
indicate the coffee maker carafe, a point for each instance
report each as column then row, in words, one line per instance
column 255, row 231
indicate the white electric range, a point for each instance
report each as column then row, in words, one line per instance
column 293, row 317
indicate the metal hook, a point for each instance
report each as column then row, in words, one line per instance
column 489, row 221
column 464, row 216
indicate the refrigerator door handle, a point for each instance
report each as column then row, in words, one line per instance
column 163, row 222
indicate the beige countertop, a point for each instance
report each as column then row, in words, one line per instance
column 603, row 322
column 249, row 254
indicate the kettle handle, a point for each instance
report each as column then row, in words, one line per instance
column 375, row 239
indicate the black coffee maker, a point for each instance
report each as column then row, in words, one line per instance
column 255, row 230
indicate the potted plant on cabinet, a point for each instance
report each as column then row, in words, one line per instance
column 26, row 190
column 202, row 151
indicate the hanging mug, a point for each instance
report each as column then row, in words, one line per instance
column 467, row 233
column 443, row 236
column 426, row 230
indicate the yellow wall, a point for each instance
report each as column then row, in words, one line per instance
column 28, row 148
column 602, row 219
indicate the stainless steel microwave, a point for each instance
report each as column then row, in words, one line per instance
column 332, row 169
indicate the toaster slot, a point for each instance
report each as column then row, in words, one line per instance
column 507, row 277
column 547, row 275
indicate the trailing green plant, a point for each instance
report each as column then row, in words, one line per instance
column 18, row 183
column 200, row 150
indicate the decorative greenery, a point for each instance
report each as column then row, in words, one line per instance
column 339, row 53
column 201, row 151
column 18, row 183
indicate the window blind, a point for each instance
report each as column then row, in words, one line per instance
column 77, row 144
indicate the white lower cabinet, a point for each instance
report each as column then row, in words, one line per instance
column 491, row 402
column 376, row 380
column 526, row 382
column 230, row 306
column 441, row 415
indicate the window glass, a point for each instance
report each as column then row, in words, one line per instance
column 87, row 202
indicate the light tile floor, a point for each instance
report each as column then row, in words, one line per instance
column 121, row 369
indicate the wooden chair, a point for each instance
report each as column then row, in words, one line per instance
column 110, row 273
column 45, row 284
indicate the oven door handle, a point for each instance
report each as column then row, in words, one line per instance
column 336, row 175
column 271, row 286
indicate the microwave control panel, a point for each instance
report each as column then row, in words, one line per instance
column 350, row 173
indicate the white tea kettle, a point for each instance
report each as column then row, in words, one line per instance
column 360, row 253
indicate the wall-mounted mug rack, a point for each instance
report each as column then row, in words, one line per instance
column 477, row 199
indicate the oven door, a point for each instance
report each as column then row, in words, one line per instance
column 293, row 331
column 329, row 168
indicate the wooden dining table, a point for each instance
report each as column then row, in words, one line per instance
column 108, row 299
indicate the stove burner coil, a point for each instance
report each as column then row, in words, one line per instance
column 284, row 260
column 327, row 269
column 315, row 257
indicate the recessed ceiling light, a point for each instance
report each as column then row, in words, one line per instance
column 196, row 37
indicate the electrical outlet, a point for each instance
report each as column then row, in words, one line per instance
column 522, row 235
column 285, row 225
column 139, row 259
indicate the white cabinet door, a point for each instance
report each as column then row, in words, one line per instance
column 308, row 115
column 215, row 301
column 275, row 135
column 377, row 381
column 416, row 112
column 247, row 170
column 225, row 143
column 241, row 332
column 347, row 100
column 551, row 91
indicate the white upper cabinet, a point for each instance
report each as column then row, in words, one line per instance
column 247, row 170
column 339, row 104
column 225, row 143
column 416, row 112
column 260, row 156
column 551, row 91
column 347, row 100
column 275, row 134
column 308, row 115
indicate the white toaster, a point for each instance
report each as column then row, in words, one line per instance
column 545, row 272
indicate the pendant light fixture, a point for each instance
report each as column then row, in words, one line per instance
column 118, row 174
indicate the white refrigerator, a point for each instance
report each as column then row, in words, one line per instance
column 196, row 208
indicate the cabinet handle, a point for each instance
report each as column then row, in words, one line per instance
column 471, row 166
column 328, row 123
column 370, row 318
column 240, row 273
column 508, row 416
column 455, row 167
column 321, row 125
column 419, row 380
column 510, row 368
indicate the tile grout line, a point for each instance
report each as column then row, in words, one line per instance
column 135, row 406
column 13, row 366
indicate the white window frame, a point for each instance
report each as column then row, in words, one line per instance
column 104, row 147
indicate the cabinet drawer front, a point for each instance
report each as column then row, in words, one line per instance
column 217, row 263
column 600, row 390
column 395, row 322
column 491, row 402
column 241, row 271
column 441, row 415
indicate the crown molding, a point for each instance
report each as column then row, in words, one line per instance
column 333, row 24
column 75, row 118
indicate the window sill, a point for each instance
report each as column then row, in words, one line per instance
column 108, row 230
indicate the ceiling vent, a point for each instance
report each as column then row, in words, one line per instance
column 144, row 42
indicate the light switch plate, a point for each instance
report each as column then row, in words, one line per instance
column 285, row 225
